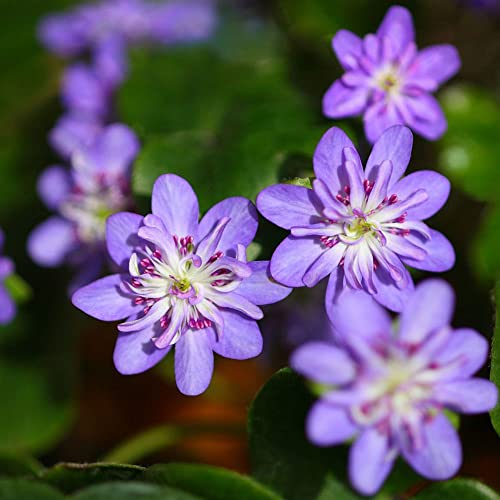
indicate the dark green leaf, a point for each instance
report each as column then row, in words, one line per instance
column 281, row 456
column 206, row 120
column 210, row 483
column 486, row 246
column 131, row 491
column 458, row 489
column 469, row 147
column 69, row 477
column 32, row 415
column 13, row 465
column 495, row 361
column 23, row 489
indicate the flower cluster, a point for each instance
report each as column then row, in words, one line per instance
column 183, row 283
column 387, row 387
column 100, row 153
column 7, row 304
column 387, row 81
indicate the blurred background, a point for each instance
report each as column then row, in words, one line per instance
column 232, row 114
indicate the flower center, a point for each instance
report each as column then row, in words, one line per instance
column 388, row 80
column 89, row 211
column 358, row 228
column 180, row 284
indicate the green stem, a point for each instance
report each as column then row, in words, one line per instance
column 157, row 438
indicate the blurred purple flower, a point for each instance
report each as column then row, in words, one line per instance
column 387, row 390
column 486, row 5
column 133, row 21
column 85, row 27
column 7, row 304
column 359, row 226
column 85, row 93
column 184, row 283
column 97, row 186
column 73, row 132
column 181, row 21
column 388, row 81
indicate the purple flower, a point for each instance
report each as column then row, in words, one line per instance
column 86, row 26
column 359, row 226
column 184, row 283
column 133, row 21
column 388, row 81
column 85, row 93
column 387, row 390
column 7, row 304
column 181, row 21
column 98, row 185
column 73, row 132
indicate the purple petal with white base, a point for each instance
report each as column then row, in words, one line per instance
column 405, row 376
column 113, row 304
column 370, row 461
column 441, row 455
column 194, row 363
column 328, row 425
column 50, row 243
column 323, row 363
column 387, row 81
column 54, row 185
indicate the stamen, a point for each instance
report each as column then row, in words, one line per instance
column 329, row 241
column 216, row 256
column 368, row 185
column 343, row 199
column 393, row 199
column 157, row 254
column 139, row 300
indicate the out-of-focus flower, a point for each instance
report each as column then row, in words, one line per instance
column 7, row 304
column 486, row 5
column 133, row 21
column 387, row 390
column 73, row 132
column 97, row 186
column 184, row 283
column 388, row 81
column 85, row 94
column 182, row 21
column 359, row 226
column 85, row 27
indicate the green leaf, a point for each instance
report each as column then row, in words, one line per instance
column 131, row 491
column 23, row 489
column 486, row 246
column 210, row 483
column 282, row 457
column 32, row 415
column 463, row 489
column 177, row 152
column 18, row 289
column 69, row 477
column 335, row 490
column 14, row 465
column 495, row 361
column 227, row 134
column 470, row 145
